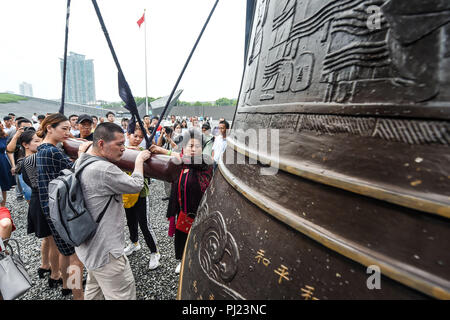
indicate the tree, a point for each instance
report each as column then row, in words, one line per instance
column 225, row 102
column 183, row 103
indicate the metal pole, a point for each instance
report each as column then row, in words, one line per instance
column 145, row 41
column 123, row 85
column 163, row 113
column 63, row 94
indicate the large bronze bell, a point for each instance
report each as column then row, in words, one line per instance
column 343, row 125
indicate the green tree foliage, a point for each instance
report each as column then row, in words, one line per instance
column 225, row 102
column 138, row 100
column 183, row 103
column 204, row 104
column 218, row 102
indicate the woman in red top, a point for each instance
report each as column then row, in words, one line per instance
column 187, row 191
column 6, row 227
column 6, row 224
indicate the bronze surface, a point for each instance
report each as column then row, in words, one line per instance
column 360, row 105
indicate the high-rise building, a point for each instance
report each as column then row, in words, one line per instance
column 80, row 80
column 26, row 89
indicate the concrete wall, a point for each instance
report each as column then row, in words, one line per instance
column 26, row 108
column 215, row 112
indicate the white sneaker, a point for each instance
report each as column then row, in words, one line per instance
column 154, row 260
column 132, row 247
column 178, row 268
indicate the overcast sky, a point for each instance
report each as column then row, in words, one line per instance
column 32, row 41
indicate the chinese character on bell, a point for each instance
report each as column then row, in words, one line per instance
column 308, row 292
column 260, row 257
column 282, row 272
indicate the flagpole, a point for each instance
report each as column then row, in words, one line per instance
column 63, row 95
column 145, row 44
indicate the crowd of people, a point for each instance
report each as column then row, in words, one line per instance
column 31, row 155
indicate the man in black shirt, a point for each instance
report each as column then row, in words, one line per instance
column 85, row 126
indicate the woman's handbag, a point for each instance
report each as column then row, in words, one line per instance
column 14, row 278
column 184, row 222
column 129, row 200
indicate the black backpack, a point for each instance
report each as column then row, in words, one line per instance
column 68, row 212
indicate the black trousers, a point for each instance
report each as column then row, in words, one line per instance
column 137, row 215
column 180, row 243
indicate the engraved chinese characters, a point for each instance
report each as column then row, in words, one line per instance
column 332, row 51
column 358, row 92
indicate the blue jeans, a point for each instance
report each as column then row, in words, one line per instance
column 26, row 189
column 18, row 188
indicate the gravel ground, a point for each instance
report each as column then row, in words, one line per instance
column 158, row 284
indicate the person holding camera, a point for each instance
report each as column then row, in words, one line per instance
column 165, row 139
column 37, row 224
column 14, row 153
column 6, row 178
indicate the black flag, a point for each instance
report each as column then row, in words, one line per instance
column 124, row 89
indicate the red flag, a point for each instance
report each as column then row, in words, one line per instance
column 141, row 20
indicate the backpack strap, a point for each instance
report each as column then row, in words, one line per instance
column 100, row 217
column 208, row 142
column 73, row 189
column 84, row 165
column 78, row 172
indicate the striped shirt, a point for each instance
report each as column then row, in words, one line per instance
column 27, row 166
